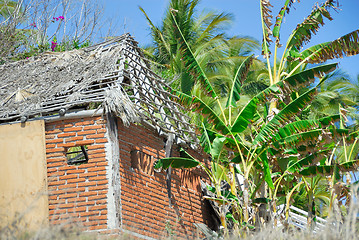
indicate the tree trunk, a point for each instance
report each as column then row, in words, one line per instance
column 246, row 200
column 311, row 211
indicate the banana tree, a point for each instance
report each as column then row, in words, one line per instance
column 245, row 131
column 295, row 60
column 267, row 131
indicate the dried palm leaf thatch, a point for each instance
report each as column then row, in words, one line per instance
column 114, row 75
column 117, row 101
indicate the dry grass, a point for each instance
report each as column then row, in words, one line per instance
column 348, row 229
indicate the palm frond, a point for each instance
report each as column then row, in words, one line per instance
column 193, row 66
column 214, row 25
column 157, row 32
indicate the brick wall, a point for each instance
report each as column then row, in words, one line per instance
column 145, row 203
column 77, row 192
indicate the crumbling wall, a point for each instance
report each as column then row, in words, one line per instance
column 144, row 196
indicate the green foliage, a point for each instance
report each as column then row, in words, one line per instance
column 270, row 137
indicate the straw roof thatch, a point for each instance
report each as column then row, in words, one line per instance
column 113, row 75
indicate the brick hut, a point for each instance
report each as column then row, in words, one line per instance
column 79, row 134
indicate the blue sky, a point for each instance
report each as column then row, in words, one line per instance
column 128, row 18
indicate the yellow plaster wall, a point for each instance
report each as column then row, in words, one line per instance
column 23, row 174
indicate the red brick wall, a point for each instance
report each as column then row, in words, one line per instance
column 145, row 203
column 77, row 192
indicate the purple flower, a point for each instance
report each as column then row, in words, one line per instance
column 57, row 18
column 33, row 24
column 53, row 45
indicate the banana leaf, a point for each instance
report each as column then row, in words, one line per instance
column 279, row 18
column 176, row 162
column 266, row 170
column 305, row 30
column 241, row 73
column 347, row 45
column 196, row 104
column 327, row 170
column 284, row 116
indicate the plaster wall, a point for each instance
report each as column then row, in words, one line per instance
column 23, row 175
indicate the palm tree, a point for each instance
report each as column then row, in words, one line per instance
column 336, row 94
column 205, row 34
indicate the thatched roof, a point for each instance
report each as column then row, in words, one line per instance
column 113, row 75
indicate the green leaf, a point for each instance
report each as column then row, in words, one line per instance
column 219, row 172
column 307, row 138
column 304, row 31
column 187, row 82
column 327, row 170
column 157, row 32
column 241, row 74
column 218, row 144
column 262, row 200
column 206, row 140
column 279, row 19
column 313, row 158
column 196, row 104
column 296, row 81
column 230, row 216
column 317, row 170
column 302, row 126
column 245, row 116
column 306, row 77
column 266, row 170
column 176, row 162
